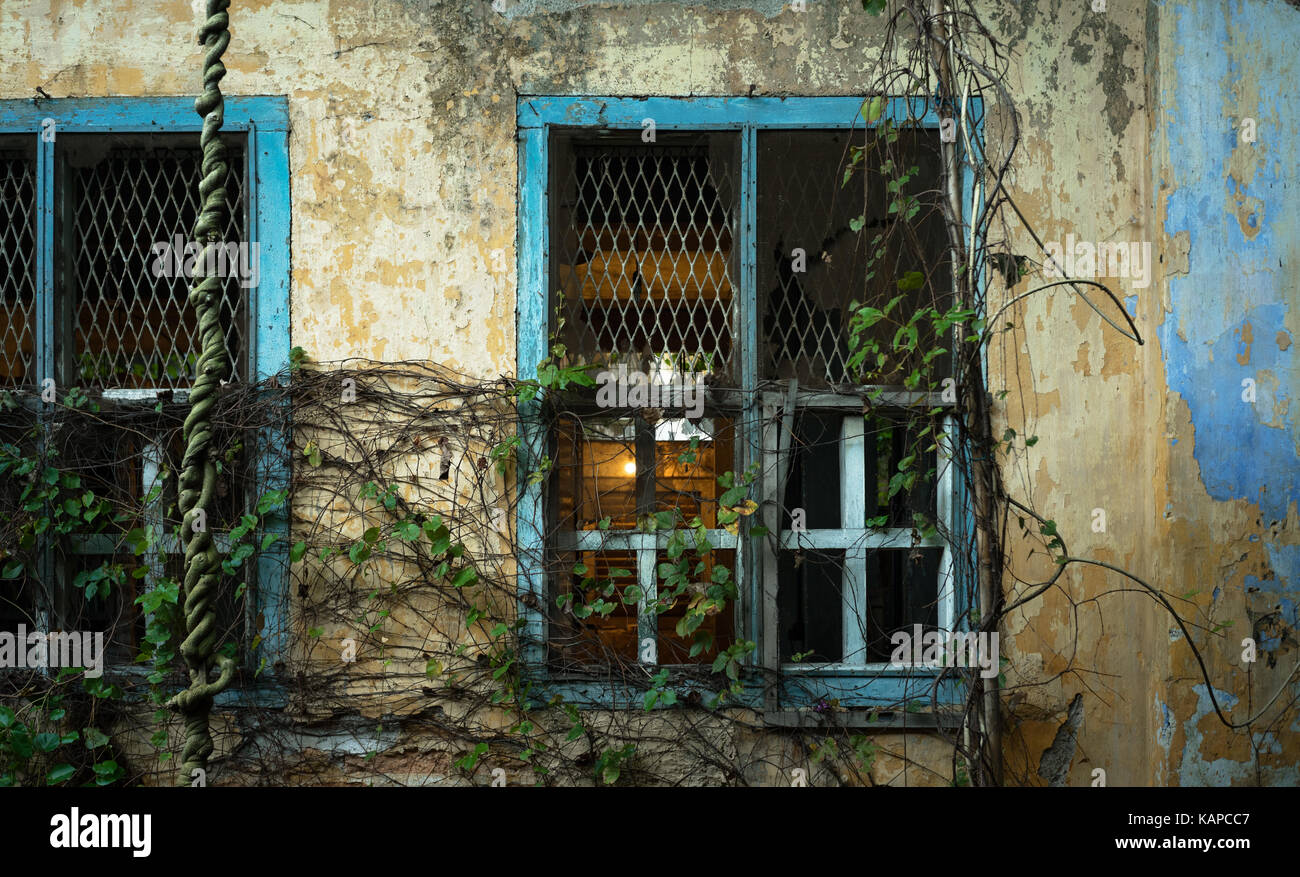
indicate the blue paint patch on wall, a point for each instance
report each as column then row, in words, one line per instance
column 1165, row 733
column 1282, row 591
column 1130, row 305
column 1245, row 451
column 1200, row 767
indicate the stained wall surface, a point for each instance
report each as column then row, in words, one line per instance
column 404, row 223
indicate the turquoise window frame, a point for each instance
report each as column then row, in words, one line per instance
column 264, row 120
column 536, row 117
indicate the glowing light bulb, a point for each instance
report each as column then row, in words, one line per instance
column 629, row 468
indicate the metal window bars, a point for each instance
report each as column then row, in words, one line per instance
column 17, row 259
column 819, row 230
column 141, row 472
column 125, row 208
column 643, row 260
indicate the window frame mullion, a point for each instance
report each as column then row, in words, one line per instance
column 45, row 233
column 853, row 511
column 50, row 600
column 751, row 616
column 647, row 621
column 153, row 459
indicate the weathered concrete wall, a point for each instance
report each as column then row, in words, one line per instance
column 1230, row 222
column 1198, row 487
column 403, row 243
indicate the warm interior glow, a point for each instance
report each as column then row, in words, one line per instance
column 630, row 468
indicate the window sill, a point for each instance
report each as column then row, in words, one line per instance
column 267, row 691
column 880, row 688
column 861, row 670
column 870, row 720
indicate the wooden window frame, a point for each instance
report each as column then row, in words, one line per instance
column 264, row 123
column 863, row 684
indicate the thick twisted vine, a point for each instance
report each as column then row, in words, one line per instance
column 199, row 475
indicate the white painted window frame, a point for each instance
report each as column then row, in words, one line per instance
column 856, row 542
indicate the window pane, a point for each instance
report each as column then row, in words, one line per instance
column 809, row 601
column 17, row 259
column 902, row 591
column 582, row 578
column 711, row 579
column 126, row 206
column 18, row 596
column 813, row 485
column 229, row 503
column 889, row 440
column 111, row 463
column 113, row 613
column 805, row 301
column 621, row 467
column 104, row 461
column 642, row 247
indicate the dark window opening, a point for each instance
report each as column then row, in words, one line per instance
column 806, row 300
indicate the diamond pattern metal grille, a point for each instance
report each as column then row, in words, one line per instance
column 642, row 249
column 17, row 263
column 805, row 300
column 129, row 200
column 804, row 296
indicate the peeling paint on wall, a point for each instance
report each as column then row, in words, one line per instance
column 1239, row 288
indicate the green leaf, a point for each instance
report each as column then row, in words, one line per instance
column 441, row 539
column 271, row 500
column 297, row 551
column 60, row 773
column 106, row 772
column 94, row 738
column 910, row 281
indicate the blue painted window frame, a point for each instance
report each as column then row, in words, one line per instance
column 264, row 120
column 536, row 117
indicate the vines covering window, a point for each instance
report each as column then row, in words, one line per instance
column 860, row 554
column 791, row 264
column 94, row 316
column 643, row 269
